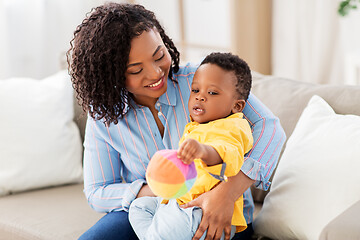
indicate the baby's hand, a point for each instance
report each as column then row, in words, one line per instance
column 189, row 150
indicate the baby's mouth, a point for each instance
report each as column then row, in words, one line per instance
column 198, row 110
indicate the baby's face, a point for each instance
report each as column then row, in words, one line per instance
column 213, row 95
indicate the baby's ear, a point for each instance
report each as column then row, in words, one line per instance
column 238, row 106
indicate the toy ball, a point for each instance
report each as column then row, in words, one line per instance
column 168, row 177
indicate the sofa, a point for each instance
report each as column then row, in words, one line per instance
column 60, row 211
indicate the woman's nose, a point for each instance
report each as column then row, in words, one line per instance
column 154, row 72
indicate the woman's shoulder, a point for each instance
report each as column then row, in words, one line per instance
column 255, row 107
column 186, row 70
column 183, row 78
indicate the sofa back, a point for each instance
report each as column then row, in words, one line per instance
column 79, row 117
column 288, row 98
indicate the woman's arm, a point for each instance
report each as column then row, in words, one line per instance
column 269, row 138
column 103, row 184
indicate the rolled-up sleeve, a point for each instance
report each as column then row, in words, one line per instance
column 269, row 138
column 103, row 183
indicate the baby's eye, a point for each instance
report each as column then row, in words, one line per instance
column 213, row 93
column 195, row 90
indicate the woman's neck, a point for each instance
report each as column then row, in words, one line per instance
column 150, row 102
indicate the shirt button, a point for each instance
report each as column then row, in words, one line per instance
column 159, row 114
column 158, row 104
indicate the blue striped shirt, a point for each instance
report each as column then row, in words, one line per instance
column 116, row 155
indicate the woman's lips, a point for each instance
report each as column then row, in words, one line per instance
column 157, row 84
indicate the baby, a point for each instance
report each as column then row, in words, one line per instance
column 216, row 139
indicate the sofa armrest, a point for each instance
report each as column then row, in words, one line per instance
column 344, row 226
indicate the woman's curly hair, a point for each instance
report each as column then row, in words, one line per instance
column 99, row 54
column 241, row 69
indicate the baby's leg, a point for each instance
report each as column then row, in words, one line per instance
column 170, row 222
column 152, row 220
column 141, row 214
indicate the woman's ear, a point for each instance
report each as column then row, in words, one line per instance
column 238, row 106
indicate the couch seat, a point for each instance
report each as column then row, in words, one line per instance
column 52, row 213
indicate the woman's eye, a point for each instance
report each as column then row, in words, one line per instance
column 137, row 72
column 160, row 57
column 195, row 90
column 213, row 93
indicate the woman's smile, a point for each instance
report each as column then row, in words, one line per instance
column 157, row 85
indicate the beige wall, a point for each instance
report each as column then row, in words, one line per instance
column 246, row 22
column 251, row 32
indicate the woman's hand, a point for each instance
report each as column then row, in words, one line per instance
column 217, row 214
column 218, row 206
column 145, row 191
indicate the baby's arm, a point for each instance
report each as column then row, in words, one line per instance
column 191, row 149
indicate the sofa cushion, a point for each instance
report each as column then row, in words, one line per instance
column 53, row 213
column 80, row 117
column 40, row 144
column 317, row 177
column 344, row 226
column 288, row 98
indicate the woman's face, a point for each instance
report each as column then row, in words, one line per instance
column 148, row 68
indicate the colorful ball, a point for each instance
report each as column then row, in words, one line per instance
column 168, row 177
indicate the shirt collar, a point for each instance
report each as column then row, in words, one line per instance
column 234, row 115
column 169, row 97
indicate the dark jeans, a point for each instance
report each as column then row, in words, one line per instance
column 116, row 225
column 245, row 235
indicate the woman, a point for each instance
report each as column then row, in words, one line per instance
column 126, row 73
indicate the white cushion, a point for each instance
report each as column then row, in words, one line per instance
column 317, row 177
column 40, row 144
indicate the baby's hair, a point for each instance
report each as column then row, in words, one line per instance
column 233, row 63
column 99, row 55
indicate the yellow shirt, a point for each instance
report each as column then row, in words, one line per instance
column 231, row 137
